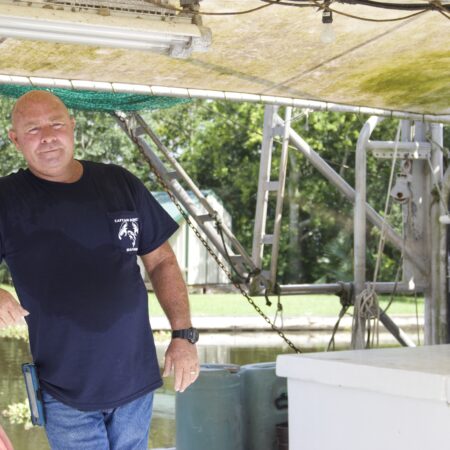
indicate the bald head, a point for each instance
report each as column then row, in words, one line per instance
column 33, row 98
column 43, row 131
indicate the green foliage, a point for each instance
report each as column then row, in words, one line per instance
column 10, row 159
column 19, row 414
column 19, row 332
column 218, row 144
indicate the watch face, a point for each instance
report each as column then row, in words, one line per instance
column 193, row 335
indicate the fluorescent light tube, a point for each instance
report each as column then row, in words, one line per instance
column 176, row 43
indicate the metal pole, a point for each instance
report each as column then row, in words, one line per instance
column 280, row 196
column 438, row 234
column 444, row 253
column 330, row 174
column 262, row 198
column 419, row 233
column 396, row 331
column 171, row 91
column 359, row 226
column 359, row 221
column 335, row 288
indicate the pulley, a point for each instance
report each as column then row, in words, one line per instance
column 401, row 191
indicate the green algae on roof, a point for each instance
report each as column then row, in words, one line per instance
column 46, row 56
column 420, row 80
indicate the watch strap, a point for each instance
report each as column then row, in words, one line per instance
column 190, row 334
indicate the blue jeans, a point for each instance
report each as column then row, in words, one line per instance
column 124, row 428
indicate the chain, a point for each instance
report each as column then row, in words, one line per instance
column 166, row 188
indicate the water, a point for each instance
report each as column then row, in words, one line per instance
column 235, row 348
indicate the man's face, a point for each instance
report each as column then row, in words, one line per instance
column 43, row 132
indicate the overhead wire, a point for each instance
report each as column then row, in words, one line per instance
column 429, row 5
column 432, row 5
column 325, row 6
column 366, row 19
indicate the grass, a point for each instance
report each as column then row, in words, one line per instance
column 293, row 305
column 299, row 305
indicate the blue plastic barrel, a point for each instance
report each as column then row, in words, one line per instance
column 208, row 414
column 264, row 405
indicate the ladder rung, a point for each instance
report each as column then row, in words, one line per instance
column 278, row 130
column 267, row 239
column 272, row 185
column 236, row 259
column 204, row 218
column 139, row 131
column 265, row 274
column 173, row 175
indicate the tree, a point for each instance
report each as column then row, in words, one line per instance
column 219, row 144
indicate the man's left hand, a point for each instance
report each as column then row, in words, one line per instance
column 182, row 361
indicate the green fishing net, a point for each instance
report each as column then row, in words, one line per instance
column 97, row 101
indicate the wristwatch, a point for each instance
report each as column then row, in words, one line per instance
column 191, row 334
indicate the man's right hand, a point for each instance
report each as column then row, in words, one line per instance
column 11, row 312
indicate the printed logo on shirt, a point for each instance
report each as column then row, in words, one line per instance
column 128, row 232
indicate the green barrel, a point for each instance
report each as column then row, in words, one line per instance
column 208, row 414
column 264, row 405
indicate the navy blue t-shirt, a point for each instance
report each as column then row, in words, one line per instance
column 72, row 252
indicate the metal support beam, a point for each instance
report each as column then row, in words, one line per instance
column 396, row 331
column 335, row 288
column 359, row 227
column 261, row 236
column 438, row 238
column 330, row 174
column 262, row 198
column 338, row 288
column 416, row 222
column 280, row 196
column 445, row 252
column 171, row 91
column 405, row 150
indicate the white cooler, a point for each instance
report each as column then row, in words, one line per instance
column 383, row 399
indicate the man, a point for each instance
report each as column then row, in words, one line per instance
column 70, row 232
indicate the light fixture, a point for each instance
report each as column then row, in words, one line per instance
column 327, row 36
column 177, row 37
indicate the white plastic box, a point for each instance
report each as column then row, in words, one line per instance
column 390, row 399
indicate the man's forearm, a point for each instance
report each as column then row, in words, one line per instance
column 168, row 284
column 181, row 357
column 170, row 289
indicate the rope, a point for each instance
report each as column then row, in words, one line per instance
column 279, row 312
column 417, row 317
column 332, row 343
column 345, row 296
